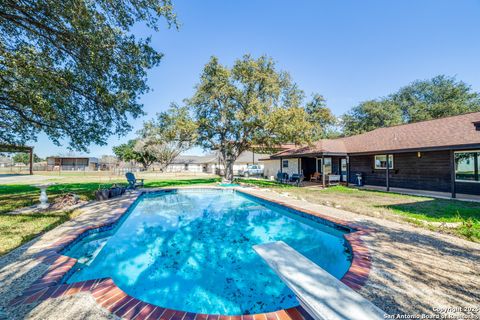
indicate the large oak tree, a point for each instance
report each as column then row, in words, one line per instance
column 72, row 69
column 249, row 105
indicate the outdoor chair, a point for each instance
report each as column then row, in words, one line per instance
column 279, row 177
column 133, row 182
column 296, row 179
column 282, row 177
column 316, row 176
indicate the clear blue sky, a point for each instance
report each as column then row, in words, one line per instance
column 346, row 50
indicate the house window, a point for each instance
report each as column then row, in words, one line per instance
column 285, row 164
column 185, row 167
column 381, row 162
column 466, row 166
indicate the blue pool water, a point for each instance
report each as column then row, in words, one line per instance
column 191, row 250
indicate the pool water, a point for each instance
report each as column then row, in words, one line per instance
column 191, row 250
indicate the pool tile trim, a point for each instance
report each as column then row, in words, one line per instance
column 108, row 295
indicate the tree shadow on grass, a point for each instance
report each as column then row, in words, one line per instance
column 439, row 209
column 467, row 214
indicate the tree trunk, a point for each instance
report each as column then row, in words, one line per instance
column 229, row 170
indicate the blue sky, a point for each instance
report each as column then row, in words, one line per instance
column 347, row 50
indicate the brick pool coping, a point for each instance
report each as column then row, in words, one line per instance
column 109, row 296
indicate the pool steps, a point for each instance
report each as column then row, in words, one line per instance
column 322, row 295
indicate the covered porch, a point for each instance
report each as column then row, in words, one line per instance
column 323, row 169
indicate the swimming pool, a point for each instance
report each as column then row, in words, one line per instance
column 191, row 250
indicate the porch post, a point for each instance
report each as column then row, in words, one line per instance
column 348, row 169
column 281, row 165
column 452, row 174
column 30, row 160
column 387, row 178
column 316, row 164
column 299, row 164
column 323, row 170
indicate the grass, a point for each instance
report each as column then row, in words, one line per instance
column 423, row 211
column 15, row 230
column 20, row 228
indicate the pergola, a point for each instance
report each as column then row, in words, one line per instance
column 15, row 148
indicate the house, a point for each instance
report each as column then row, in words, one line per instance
column 72, row 163
column 435, row 155
column 212, row 164
column 5, row 162
column 195, row 164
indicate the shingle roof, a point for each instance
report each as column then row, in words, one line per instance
column 322, row 146
column 186, row 159
column 245, row 157
column 445, row 132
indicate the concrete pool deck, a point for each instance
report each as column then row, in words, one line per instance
column 413, row 270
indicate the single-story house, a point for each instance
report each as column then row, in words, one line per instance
column 196, row 164
column 436, row 155
column 72, row 163
column 212, row 164
column 5, row 162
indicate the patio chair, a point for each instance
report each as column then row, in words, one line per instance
column 316, row 176
column 279, row 177
column 296, row 179
column 282, row 177
column 133, row 182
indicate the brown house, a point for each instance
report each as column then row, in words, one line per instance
column 435, row 155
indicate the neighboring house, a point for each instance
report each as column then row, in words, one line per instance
column 436, row 155
column 194, row 164
column 246, row 158
column 212, row 164
column 5, row 162
column 72, row 163
column 108, row 163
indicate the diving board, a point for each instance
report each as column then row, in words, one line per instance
column 322, row 295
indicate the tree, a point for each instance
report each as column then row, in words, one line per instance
column 161, row 139
column 24, row 158
column 171, row 133
column 251, row 104
column 125, row 151
column 438, row 97
column 321, row 117
column 72, row 69
column 137, row 150
column 370, row 115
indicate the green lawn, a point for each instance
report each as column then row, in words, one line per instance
column 424, row 211
column 18, row 229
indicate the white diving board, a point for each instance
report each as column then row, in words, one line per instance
column 322, row 295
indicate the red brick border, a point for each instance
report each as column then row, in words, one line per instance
column 112, row 298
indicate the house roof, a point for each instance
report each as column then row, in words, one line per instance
column 90, row 159
column 185, row 159
column 248, row 157
column 449, row 132
column 245, row 157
